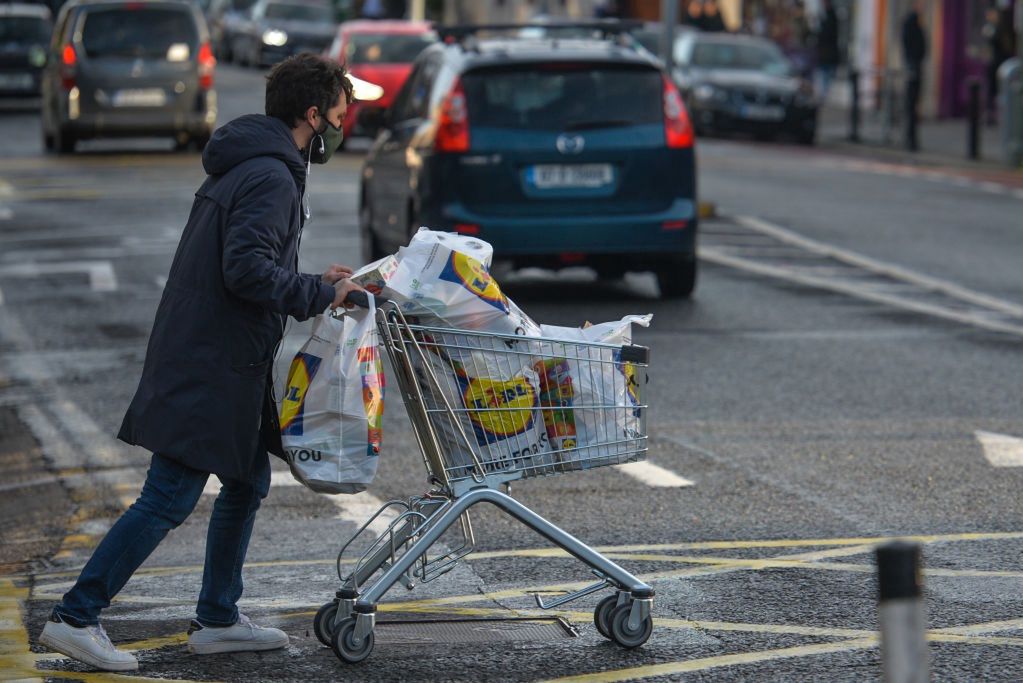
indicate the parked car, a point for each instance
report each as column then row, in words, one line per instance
column 227, row 18
column 737, row 83
column 277, row 29
column 128, row 69
column 379, row 53
column 24, row 34
column 557, row 151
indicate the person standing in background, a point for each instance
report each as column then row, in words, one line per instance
column 694, row 15
column 1001, row 43
column 828, row 51
column 914, row 51
column 712, row 20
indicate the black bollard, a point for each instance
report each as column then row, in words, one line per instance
column 973, row 111
column 901, row 614
column 854, row 105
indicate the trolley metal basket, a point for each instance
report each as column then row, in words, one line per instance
column 487, row 409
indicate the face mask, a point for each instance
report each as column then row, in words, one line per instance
column 329, row 139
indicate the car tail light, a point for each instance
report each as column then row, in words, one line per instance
column 68, row 66
column 206, row 63
column 453, row 128
column 678, row 130
column 467, row 228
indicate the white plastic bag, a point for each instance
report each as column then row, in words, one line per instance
column 589, row 397
column 333, row 404
column 443, row 279
column 496, row 408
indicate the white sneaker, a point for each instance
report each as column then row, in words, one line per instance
column 89, row 644
column 243, row 636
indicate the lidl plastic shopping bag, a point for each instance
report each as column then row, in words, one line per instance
column 590, row 396
column 333, row 404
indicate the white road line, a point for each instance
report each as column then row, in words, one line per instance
column 101, row 273
column 1001, row 450
column 354, row 508
column 161, row 281
column 6, row 213
column 653, row 475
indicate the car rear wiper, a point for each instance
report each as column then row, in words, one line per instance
column 590, row 125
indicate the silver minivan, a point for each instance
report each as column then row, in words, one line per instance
column 141, row 68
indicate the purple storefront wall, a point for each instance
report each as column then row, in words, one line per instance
column 956, row 66
column 959, row 28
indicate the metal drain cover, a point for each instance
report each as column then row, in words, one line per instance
column 511, row 630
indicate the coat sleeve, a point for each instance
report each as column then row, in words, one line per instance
column 255, row 235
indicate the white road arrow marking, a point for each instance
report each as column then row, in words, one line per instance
column 1001, row 450
column 101, row 273
column 653, row 475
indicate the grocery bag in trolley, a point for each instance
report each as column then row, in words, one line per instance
column 589, row 394
column 443, row 279
column 333, row 404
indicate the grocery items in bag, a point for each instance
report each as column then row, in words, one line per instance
column 589, row 396
column 333, row 404
column 443, row 279
column 493, row 409
column 373, row 277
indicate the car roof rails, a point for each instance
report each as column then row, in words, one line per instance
column 607, row 28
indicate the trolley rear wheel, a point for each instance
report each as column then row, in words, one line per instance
column 602, row 615
column 323, row 622
column 344, row 644
column 625, row 636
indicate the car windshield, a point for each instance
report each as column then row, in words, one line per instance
column 372, row 48
column 24, row 30
column 296, row 12
column 722, row 55
column 564, row 97
column 151, row 33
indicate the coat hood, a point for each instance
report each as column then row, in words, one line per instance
column 250, row 136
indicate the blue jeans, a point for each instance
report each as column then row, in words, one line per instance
column 168, row 497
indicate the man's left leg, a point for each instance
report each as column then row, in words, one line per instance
column 219, row 626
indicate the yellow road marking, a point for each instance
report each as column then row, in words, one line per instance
column 705, row 663
column 14, row 653
column 867, row 542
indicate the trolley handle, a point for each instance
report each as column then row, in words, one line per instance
column 359, row 298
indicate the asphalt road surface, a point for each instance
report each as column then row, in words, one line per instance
column 805, row 407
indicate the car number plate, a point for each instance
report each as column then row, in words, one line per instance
column 140, row 97
column 558, row 176
column 20, row 81
column 762, row 112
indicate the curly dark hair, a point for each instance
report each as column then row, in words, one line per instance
column 302, row 81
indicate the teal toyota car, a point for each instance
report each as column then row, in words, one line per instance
column 574, row 151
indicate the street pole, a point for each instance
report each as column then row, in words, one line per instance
column 901, row 614
column 417, row 11
column 669, row 16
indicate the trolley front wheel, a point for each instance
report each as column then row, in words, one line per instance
column 344, row 644
column 602, row 615
column 323, row 622
column 625, row 636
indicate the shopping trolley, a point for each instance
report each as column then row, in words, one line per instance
column 574, row 406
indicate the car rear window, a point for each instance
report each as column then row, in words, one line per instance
column 24, row 31
column 296, row 12
column 564, row 97
column 152, row 33
column 370, row 48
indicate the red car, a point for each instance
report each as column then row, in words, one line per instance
column 379, row 54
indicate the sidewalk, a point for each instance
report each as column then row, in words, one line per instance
column 942, row 142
